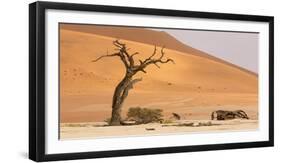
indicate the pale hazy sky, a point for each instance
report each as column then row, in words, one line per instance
column 238, row 48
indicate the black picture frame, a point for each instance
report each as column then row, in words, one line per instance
column 37, row 87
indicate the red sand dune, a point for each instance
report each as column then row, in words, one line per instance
column 143, row 35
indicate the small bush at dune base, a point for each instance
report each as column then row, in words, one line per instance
column 144, row 115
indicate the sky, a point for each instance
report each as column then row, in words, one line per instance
column 240, row 48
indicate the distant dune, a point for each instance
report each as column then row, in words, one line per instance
column 146, row 36
column 194, row 86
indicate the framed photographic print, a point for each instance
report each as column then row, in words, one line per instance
column 111, row 81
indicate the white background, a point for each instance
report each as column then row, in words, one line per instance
column 14, row 80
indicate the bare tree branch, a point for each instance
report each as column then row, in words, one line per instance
column 156, row 65
column 151, row 60
column 134, row 54
column 118, row 44
column 162, row 53
column 103, row 56
column 152, row 55
column 129, row 61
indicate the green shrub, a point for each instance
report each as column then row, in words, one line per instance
column 144, row 115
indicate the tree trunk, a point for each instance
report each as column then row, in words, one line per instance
column 120, row 93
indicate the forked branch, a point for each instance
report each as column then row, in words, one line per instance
column 129, row 60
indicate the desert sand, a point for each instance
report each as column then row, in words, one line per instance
column 193, row 87
column 72, row 131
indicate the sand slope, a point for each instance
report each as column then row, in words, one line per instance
column 143, row 35
column 194, row 86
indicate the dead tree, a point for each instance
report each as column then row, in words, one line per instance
column 132, row 68
column 227, row 115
